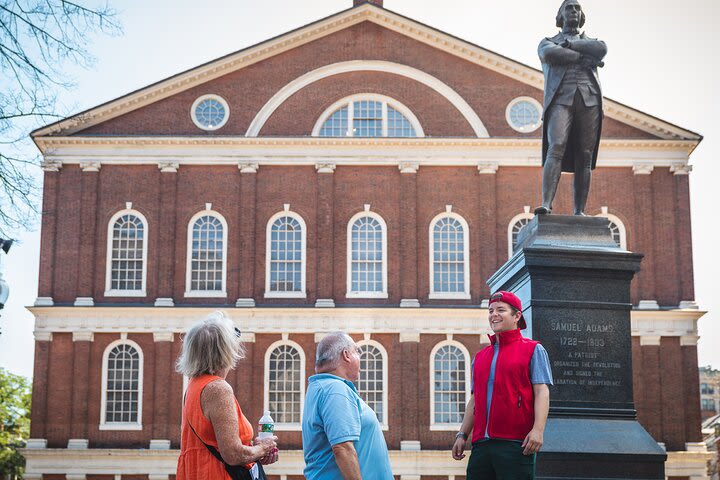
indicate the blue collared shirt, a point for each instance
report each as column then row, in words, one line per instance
column 334, row 413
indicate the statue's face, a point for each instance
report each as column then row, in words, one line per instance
column 571, row 13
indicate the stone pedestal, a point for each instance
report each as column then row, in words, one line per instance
column 574, row 283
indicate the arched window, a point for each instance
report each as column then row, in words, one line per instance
column 368, row 115
column 617, row 228
column 449, row 257
column 285, row 384
column 517, row 223
column 207, row 255
column 449, row 384
column 367, row 256
column 126, row 255
column 122, row 378
column 285, row 264
column 372, row 383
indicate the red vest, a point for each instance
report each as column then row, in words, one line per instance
column 512, row 411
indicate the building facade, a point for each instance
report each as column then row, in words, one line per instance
column 709, row 392
column 365, row 173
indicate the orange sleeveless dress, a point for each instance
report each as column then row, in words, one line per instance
column 196, row 462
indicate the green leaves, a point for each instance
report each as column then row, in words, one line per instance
column 15, row 400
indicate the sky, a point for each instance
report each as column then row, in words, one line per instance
column 660, row 61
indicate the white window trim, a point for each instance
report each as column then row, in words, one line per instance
column 266, row 384
column 268, row 256
column 527, row 128
column 348, row 102
column 383, row 353
column 348, row 241
column 206, row 97
column 188, row 261
column 465, row 294
column 512, row 222
column 103, row 399
column 108, row 256
column 468, row 379
column 620, row 225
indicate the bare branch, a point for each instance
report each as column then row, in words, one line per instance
column 38, row 39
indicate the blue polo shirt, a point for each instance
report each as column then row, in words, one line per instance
column 334, row 413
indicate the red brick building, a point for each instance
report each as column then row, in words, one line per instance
column 364, row 172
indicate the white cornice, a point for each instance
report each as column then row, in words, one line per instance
column 327, row 26
column 164, row 462
column 243, row 151
column 419, row 462
column 408, row 322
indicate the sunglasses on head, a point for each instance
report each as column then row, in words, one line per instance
column 238, row 333
column 496, row 296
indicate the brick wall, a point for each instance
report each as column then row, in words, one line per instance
column 248, row 89
column 663, row 375
column 655, row 226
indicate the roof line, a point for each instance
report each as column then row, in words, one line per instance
column 368, row 6
column 183, row 72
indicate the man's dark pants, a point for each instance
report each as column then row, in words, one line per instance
column 500, row 460
column 584, row 121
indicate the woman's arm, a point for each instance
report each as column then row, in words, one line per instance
column 218, row 405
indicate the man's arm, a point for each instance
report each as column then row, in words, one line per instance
column 534, row 440
column 466, row 428
column 589, row 46
column 347, row 460
column 553, row 54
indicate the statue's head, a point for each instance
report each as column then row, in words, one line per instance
column 570, row 12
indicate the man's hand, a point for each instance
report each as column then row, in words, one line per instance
column 458, row 448
column 533, row 442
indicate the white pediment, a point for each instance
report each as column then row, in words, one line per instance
column 314, row 31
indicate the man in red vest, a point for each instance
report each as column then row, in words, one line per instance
column 509, row 407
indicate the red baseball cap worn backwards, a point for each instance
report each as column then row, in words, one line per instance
column 512, row 300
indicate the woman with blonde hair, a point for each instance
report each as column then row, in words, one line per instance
column 216, row 441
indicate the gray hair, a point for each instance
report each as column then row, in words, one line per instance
column 330, row 348
column 210, row 346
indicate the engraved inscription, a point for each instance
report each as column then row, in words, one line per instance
column 584, row 360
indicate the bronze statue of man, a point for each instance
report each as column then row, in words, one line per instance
column 572, row 116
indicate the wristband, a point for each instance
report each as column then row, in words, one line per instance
column 461, row 434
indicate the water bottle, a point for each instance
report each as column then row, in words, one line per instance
column 266, row 425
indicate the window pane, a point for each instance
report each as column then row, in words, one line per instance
column 366, row 256
column 336, row 125
column 398, row 125
column 206, row 264
column 519, row 225
column 370, row 381
column 126, row 257
column 448, row 256
column 284, row 390
column 286, row 255
column 367, row 118
column 121, row 397
column 210, row 113
column 449, row 385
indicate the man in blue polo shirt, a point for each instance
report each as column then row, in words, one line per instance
column 341, row 434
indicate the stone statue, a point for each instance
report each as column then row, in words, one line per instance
column 572, row 116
